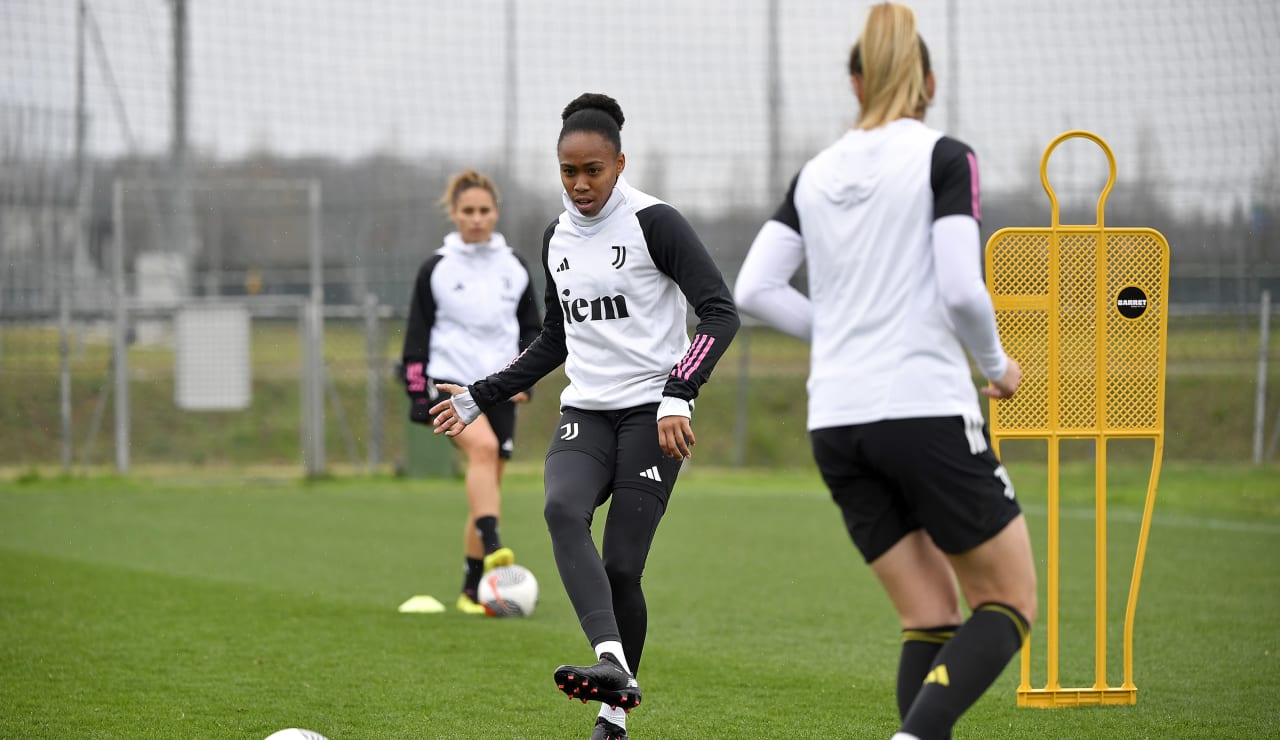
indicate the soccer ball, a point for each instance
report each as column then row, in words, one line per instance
column 508, row 591
column 293, row 733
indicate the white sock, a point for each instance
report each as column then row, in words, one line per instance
column 904, row 736
column 615, row 647
column 617, row 716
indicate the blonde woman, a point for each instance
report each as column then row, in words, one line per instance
column 473, row 307
column 887, row 220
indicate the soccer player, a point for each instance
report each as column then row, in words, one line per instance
column 622, row 267
column 887, row 220
column 473, row 307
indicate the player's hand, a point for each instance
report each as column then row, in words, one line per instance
column 675, row 436
column 521, row 397
column 1008, row 383
column 447, row 421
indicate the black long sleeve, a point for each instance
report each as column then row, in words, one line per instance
column 678, row 252
column 422, row 316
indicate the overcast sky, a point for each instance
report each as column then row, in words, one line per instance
column 1189, row 87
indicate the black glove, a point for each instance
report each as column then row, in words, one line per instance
column 422, row 393
column 420, row 410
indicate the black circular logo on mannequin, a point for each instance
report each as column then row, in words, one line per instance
column 1132, row 302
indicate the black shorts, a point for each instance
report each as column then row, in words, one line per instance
column 502, row 417
column 624, row 441
column 894, row 476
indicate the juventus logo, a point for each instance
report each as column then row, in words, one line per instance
column 619, row 256
column 569, row 431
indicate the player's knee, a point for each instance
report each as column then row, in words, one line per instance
column 483, row 451
column 1021, row 597
column 1023, row 601
column 561, row 515
column 623, row 573
column 924, row 616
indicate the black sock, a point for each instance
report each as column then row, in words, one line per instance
column 965, row 667
column 487, row 526
column 471, row 574
column 919, row 648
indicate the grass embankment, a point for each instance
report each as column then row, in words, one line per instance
column 1209, row 410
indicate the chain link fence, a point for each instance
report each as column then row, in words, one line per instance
column 187, row 141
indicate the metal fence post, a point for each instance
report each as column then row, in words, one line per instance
column 744, row 380
column 1260, row 391
column 304, row 388
column 374, row 373
column 314, row 351
column 121, row 337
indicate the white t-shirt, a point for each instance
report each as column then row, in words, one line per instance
column 472, row 309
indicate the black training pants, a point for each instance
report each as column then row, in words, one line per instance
column 597, row 455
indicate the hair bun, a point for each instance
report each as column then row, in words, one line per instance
column 596, row 101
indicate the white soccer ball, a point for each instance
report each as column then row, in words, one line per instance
column 293, row 733
column 508, row 591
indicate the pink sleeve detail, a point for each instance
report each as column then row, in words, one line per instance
column 414, row 376
column 693, row 358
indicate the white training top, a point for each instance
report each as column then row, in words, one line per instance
column 618, row 288
column 473, row 308
column 887, row 220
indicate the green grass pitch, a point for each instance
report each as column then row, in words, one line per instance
column 231, row 607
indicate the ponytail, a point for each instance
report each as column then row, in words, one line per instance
column 893, row 62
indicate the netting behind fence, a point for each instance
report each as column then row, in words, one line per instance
column 1188, row 86
column 379, row 102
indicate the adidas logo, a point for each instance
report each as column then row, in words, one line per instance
column 939, row 676
column 564, row 265
column 651, row 474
